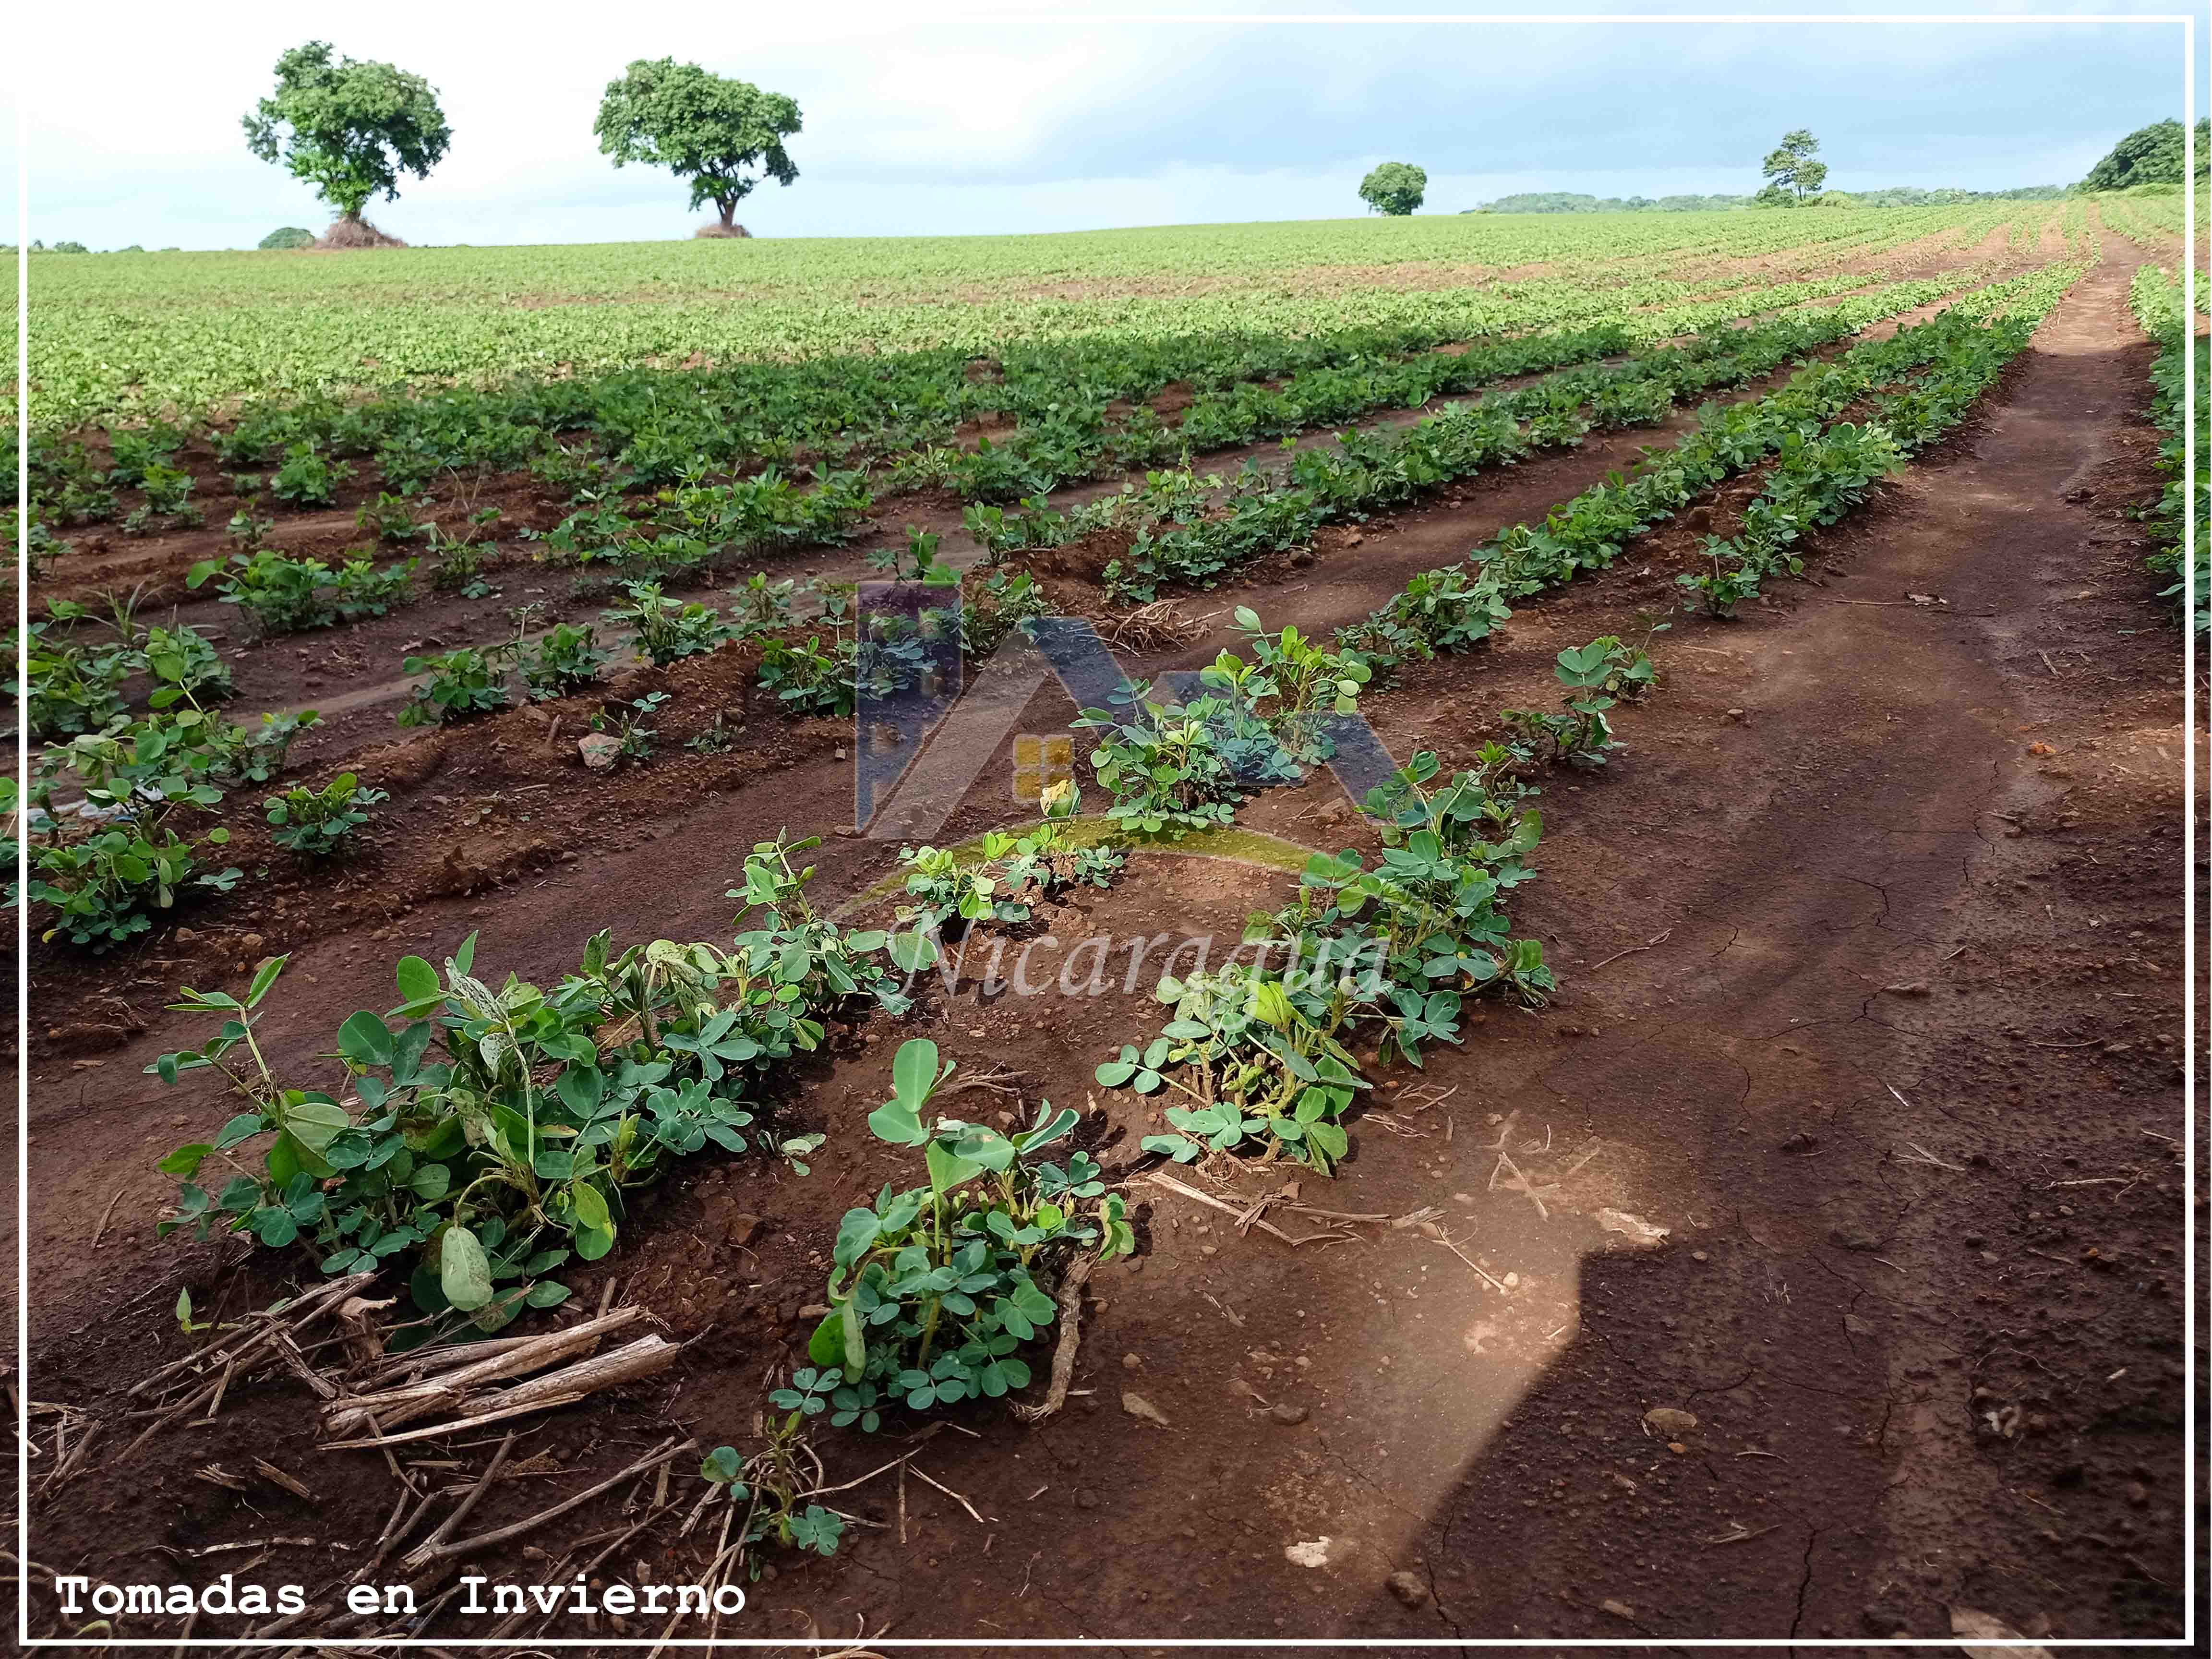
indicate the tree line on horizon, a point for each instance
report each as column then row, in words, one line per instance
column 2150, row 159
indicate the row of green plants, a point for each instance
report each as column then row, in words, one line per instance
column 652, row 426
column 1068, row 440
column 1948, row 361
column 1188, row 531
column 79, row 665
column 131, row 839
column 481, row 1133
column 2156, row 297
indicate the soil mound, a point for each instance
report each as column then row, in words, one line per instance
column 731, row 231
column 355, row 233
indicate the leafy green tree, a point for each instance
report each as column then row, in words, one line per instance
column 348, row 128
column 1791, row 169
column 1395, row 188
column 705, row 127
column 2150, row 155
column 289, row 236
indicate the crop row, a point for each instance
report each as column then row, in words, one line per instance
column 2157, row 299
column 1187, row 531
column 646, row 428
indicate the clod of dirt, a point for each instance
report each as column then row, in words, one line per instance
column 1289, row 1416
column 1971, row 1624
column 1617, row 1609
column 1408, row 1587
column 1634, row 1228
column 1132, row 1361
column 1143, row 1409
column 1309, row 1552
column 1665, row 1419
column 600, row 750
column 1803, row 1141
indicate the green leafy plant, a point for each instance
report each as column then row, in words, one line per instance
column 307, row 478
column 808, row 680
column 1165, row 769
column 762, row 606
column 628, row 724
column 496, row 1129
column 565, row 660
column 462, row 684
column 322, row 822
column 102, row 887
column 772, row 1483
column 667, row 630
column 281, row 594
column 934, row 1290
column 389, row 518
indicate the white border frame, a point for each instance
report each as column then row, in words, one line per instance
column 2188, row 945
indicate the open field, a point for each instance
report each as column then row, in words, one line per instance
column 1737, row 1195
column 166, row 333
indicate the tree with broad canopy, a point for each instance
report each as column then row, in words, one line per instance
column 347, row 127
column 700, row 126
column 1396, row 188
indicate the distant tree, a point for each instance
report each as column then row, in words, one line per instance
column 1395, row 188
column 348, row 128
column 1791, row 168
column 2150, row 155
column 289, row 236
column 700, row 126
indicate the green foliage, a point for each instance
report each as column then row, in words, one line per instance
column 1395, row 188
column 281, row 594
column 73, row 687
column 2151, row 155
column 667, row 630
column 1260, row 1053
column 860, row 348
column 499, row 1127
column 933, row 1290
column 1598, row 677
column 462, row 684
column 287, row 237
column 102, row 887
column 762, row 606
column 994, row 607
column 634, row 737
column 722, row 134
column 1791, row 168
column 565, row 660
column 389, row 518
column 347, row 127
column 2156, row 296
column 305, row 479
column 322, row 823
column 809, row 680
column 1165, row 768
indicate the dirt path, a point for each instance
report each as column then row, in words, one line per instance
column 1807, row 858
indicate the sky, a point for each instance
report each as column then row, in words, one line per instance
column 922, row 118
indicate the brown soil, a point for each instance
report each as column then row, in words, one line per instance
column 349, row 233
column 1879, row 900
